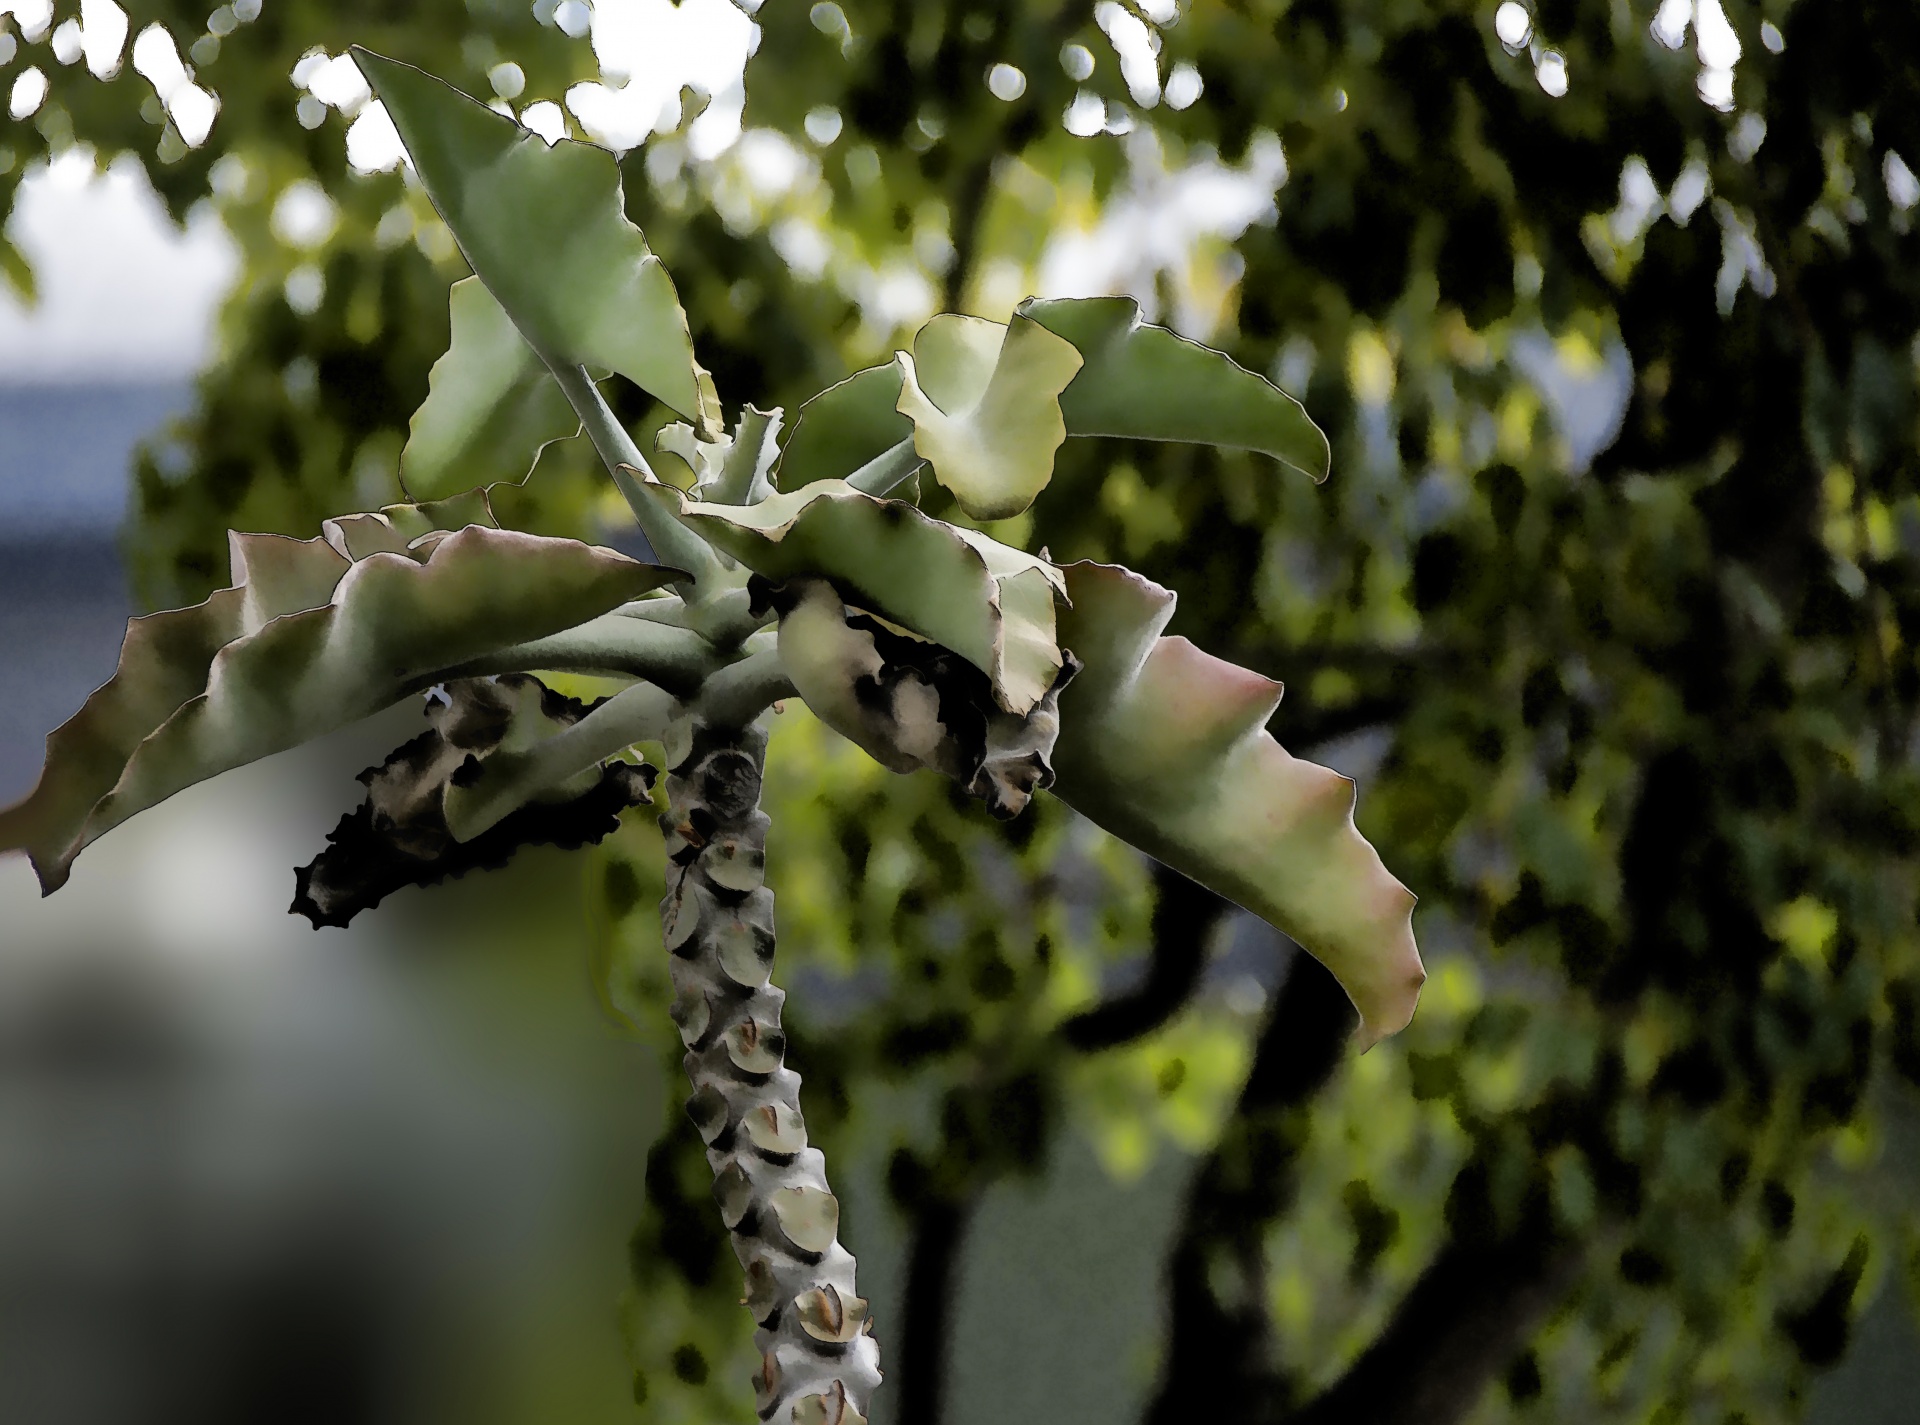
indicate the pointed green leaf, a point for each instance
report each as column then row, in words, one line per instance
column 491, row 407
column 1146, row 382
column 745, row 476
column 991, row 442
column 545, row 229
column 988, row 602
column 205, row 689
column 1166, row 747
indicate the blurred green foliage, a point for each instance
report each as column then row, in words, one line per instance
column 1635, row 715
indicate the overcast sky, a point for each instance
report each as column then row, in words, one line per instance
column 124, row 294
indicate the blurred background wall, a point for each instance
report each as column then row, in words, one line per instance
column 1539, row 270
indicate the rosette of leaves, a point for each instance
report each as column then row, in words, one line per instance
column 788, row 559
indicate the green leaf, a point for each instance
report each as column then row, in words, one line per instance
column 745, row 476
column 731, row 469
column 545, row 229
column 988, row 602
column 989, row 435
column 397, row 529
column 18, row 273
column 1146, row 382
column 165, row 660
column 491, row 407
column 204, row 689
column 844, row 427
column 1166, row 747
column 1138, row 380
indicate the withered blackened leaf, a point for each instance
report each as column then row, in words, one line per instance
column 363, row 864
column 399, row 836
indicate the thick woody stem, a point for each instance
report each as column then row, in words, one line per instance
column 819, row 1361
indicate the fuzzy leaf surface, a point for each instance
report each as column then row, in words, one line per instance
column 1166, row 746
column 988, row 602
column 491, row 407
column 545, row 229
column 206, row 689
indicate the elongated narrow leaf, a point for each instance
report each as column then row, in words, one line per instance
column 991, row 604
column 492, row 406
column 201, row 690
column 1166, row 746
column 544, row 228
column 989, row 441
column 1146, row 382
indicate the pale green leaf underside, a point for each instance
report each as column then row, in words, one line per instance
column 1166, row 747
column 491, row 405
column 991, row 604
column 544, row 228
column 258, row 669
column 990, row 441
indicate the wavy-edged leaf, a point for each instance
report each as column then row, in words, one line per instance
column 166, row 657
column 990, row 441
column 731, row 469
column 403, row 529
column 545, row 229
column 988, row 602
column 1166, row 746
column 1149, row 383
column 492, row 406
column 198, row 691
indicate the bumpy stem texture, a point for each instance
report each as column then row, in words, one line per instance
column 819, row 1361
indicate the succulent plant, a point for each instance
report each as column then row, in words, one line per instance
column 796, row 563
